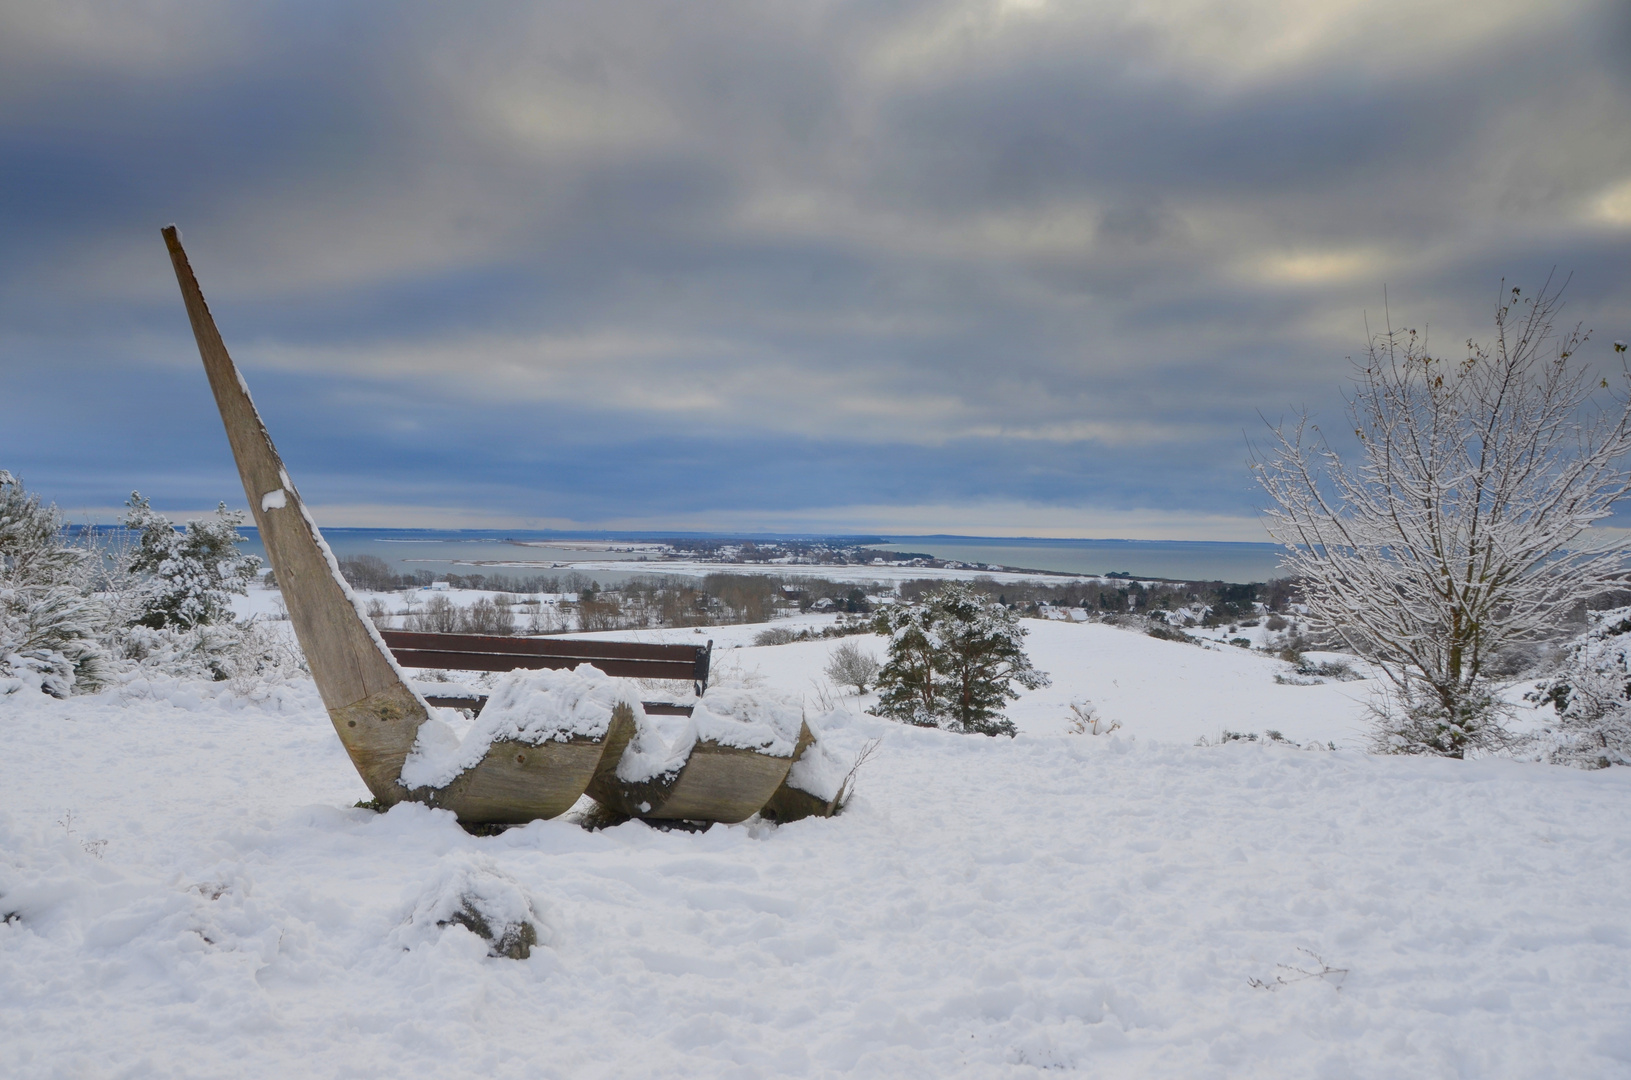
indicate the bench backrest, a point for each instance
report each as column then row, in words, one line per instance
column 481, row 652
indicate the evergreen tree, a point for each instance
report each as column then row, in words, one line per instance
column 907, row 683
column 191, row 576
column 954, row 658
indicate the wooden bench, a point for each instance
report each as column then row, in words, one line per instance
column 480, row 652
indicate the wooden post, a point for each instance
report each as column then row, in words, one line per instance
column 375, row 712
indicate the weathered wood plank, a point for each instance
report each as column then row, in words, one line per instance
column 374, row 711
column 716, row 783
column 533, row 646
column 477, row 702
column 486, row 661
column 517, row 782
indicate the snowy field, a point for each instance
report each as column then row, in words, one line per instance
column 191, row 893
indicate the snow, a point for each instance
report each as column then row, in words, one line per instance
column 750, row 718
column 531, row 707
column 821, row 770
column 190, row 893
column 274, row 500
column 660, row 747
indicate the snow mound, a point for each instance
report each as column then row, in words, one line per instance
column 747, row 718
column 751, row 718
column 531, row 707
column 472, row 892
column 822, row 769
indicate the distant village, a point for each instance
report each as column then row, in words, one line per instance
column 829, row 552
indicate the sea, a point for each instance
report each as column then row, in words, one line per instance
column 444, row 551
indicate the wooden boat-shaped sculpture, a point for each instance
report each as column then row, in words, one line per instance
column 724, row 763
column 533, row 764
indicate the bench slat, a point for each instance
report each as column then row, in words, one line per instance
column 496, row 661
column 476, row 704
column 574, row 647
column 483, row 652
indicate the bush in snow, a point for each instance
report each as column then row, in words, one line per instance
column 1084, row 719
column 851, row 665
column 1592, row 695
column 245, row 653
column 480, row 897
column 174, row 590
column 953, row 660
column 50, row 620
column 188, row 578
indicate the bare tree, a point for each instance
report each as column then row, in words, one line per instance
column 851, row 665
column 1456, row 530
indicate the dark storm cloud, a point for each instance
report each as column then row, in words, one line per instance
column 660, row 262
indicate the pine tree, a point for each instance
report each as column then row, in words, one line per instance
column 953, row 661
column 907, row 683
column 190, row 576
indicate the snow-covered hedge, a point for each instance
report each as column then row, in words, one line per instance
column 51, row 622
column 1592, row 695
column 71, row 617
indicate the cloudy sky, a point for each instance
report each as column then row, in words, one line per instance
column 995, row 268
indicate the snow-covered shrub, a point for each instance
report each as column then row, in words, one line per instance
column 953, row 659
column 246, row 653
column 173, row 594
column 477, row 895
column 1414, row 719
column 187, row 578
column 1084, row 719
column 851, row 665
column 50, row 620
column 1592, row 695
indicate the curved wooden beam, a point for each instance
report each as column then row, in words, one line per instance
column 375, row 711
column 717, row 783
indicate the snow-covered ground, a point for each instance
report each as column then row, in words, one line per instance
column 191, row 893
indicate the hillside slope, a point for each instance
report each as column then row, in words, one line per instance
column 193, row 895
